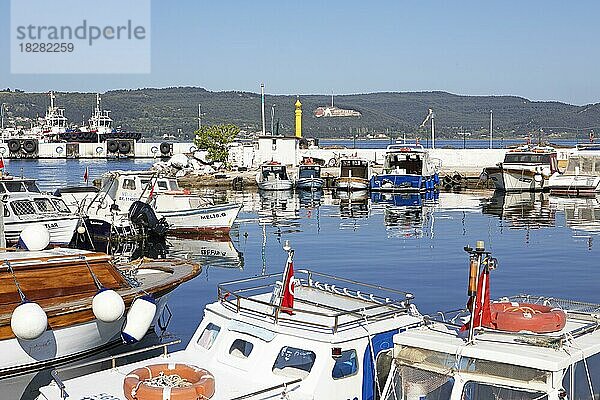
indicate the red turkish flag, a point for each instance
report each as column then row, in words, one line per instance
column 287, row 300
column 482, row 316
column 2, row 163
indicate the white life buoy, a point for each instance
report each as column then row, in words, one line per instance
column 107, row 305
column 59, row 150
column 99, row 150
column 154, row 149
column 34, row 238
column 139, row 318
column 28, row 321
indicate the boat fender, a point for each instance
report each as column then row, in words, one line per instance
column 165, row 148
column 139, row 318
column 28, row 321
column 34, row 238
column 107, row 305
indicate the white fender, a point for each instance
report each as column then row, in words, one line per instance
column 139, row 319
column 28, row 321
column 34, row 237
column 107, row 305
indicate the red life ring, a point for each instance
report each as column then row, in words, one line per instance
column 202, row 383
column 516, row 317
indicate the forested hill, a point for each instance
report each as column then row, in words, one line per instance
column 173, row 110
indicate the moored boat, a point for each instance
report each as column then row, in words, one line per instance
column 81, row 305
column 581, row 176
column 354, row 174
column 309, row 176
column 406, row 168
column 312, row 336
column 273, row 176
column 526, row 168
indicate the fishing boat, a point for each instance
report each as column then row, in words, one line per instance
column 526, row 168
column 24, row 206
column 184, row 212
column 296, row 335
column 354, row 174
column 582, row 175
column 61, row 304
column 309, row 176
column 273, row 176
column 406, row 168
column 519, row 347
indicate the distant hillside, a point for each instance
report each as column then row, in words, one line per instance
column 173, row 110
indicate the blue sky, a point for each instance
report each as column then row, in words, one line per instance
column 542, row 50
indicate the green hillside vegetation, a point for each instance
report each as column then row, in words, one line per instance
column 174, row 111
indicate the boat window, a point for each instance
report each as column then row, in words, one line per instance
column 581, row 384
column 22, row 207
column 162, row 185
column 14, row 186
column 31, row 186
column 414, row 383
column 516, row 158
column 145, row 182
column 2, row 188
column 209, row 335
column 383, row 364
column 483, row 391
column 6, row 210
column 173, row 184
column 61, row 206
column 129, row 184
column 309, row 172
column 354, row 171
column 293, row 362
column 44, row 205
column 345, row 365
column 241, row 348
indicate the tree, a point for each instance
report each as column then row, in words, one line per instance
column 215, row 138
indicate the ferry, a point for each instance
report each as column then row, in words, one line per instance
column 406, row 168
column 526, row 168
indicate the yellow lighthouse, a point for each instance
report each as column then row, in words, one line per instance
column 298, row 113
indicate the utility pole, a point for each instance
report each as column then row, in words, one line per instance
column 491, row 128
column 272, row 118
column 262, row 102
column 199, row 117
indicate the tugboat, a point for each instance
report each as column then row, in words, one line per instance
column 406, row 168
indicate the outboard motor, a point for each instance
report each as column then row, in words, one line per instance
column 142, row 215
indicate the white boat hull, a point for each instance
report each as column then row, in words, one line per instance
column 61, row 229
column 310, row 183
column 205, row 219
column 578, row 185
column 276, row 185
column 515, row 180
column 352, row 184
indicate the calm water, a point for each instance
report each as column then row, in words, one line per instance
column 545, row 245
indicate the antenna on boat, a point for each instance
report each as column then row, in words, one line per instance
column 262, row 104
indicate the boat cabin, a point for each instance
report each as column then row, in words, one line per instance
column 9, row 184
column 354, row 168
column 405, row 160
column 584, row 163
column 27, row 207
column 309, row 171
column 535, row 156
column 436, row 361
column 273, row 172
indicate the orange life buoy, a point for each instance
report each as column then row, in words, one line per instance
column 202, row 383
column 516, row 317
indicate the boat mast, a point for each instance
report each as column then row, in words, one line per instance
column 262, row 102
column 491, row 128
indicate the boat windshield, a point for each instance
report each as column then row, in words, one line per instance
column 404, row 163
column 526, row 158
column 44, row 205
column 309, row 172
column 274, row 172
column 588, row 165
column 19, row 186
column 481, row 391
column 354, row 168
column 414, row 383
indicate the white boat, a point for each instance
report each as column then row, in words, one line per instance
column 445, row 359
column 354, row 174
column 184, row 212
column 309, row 177
column 273, row 176
column 248, row 346
column 525, row 168
column 581, row 177
column 24, row 206
column 71, row 321
column 406, row 168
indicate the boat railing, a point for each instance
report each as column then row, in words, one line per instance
column 376, row 302
column 405, row 147
column 113, row 360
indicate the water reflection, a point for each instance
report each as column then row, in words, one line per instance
column 310, row 198
column 407, row 214
column 526, row 210
column 217, row 251
column 353, row 204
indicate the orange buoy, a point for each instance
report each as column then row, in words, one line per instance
column 516, row 317
column 136, row 385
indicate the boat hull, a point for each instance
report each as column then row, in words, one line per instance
column 206, row 219
column 350, row 184
column 276, row 185
column 403, row 183
column 61, row 229
column 574, row 185
column 310, row 183
column 515, row 180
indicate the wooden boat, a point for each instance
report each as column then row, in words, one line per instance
column 309, row 176
column 526, row 168
column 65, row 283
column 406, row 168
column 354, row 174
column 273, row 176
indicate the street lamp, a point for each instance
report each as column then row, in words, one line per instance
column 272, row 117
